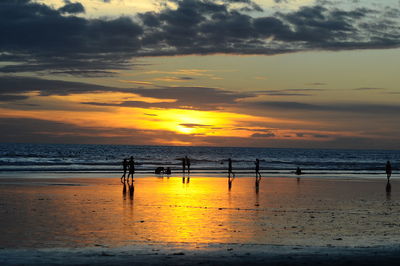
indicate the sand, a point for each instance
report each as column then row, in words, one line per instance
column 93, row 221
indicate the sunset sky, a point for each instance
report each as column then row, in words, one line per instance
column 262, row 73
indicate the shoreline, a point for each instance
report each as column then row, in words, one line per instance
column 265, row 175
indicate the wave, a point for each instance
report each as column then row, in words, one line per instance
column 108, row 158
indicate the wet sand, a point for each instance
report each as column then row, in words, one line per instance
column 165, row 221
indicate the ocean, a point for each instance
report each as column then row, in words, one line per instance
column 77, row 158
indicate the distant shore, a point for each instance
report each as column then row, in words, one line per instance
column 171, row 221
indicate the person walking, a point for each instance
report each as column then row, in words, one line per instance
column 388, row 170
column 124, row 168
column 131, row 168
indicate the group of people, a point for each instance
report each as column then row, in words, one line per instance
column 185, row 165
column 128, row 166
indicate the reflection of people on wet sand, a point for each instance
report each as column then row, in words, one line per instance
column 125, row 168
column 123, row 188
column 131, row 189
column 131, row 167
column 258, row 175
column 388, row 170
column 388, row 190
column 388, row 187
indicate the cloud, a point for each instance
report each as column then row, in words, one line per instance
column 195, row 98
column 191, row 125
column 198, row 98
column 317, row 84
column 11, row 98
column 369, row 89
column 20, row 85
column 173, row 79
column 263, row 135
column 288, row 92
column 367, row 108
column 72, row 8
column 41, row 38
column 44, row 131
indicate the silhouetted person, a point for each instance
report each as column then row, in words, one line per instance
column 159, row 170
column 231, row 175
column 183, row 166
column 187, row 160
column 125, row 168
column 298, row 171
column 388, row 170
column 230, row 166
column 258, row 175
column 131, row 167
column 168, row 171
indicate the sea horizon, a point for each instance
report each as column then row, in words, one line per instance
column 107, row 159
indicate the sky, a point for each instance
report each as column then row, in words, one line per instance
column 253, row 73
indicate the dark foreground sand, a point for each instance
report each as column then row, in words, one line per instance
column 213, row 255
column 168, row 222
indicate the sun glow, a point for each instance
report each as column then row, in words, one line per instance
column 104, row 114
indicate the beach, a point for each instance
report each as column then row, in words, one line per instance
column 78, row 220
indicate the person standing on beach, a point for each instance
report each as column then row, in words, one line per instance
column 230, row 167
column 187, row 160
column 388, row 170
column 125, row 168
column 258, row 175
column 257, row 163
column 298, row 171
column 183, row 165
column 131, row 167
column 230, row 172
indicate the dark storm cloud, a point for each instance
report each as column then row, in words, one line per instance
column 37, row 37
column 42, row 38
column 72, row 8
